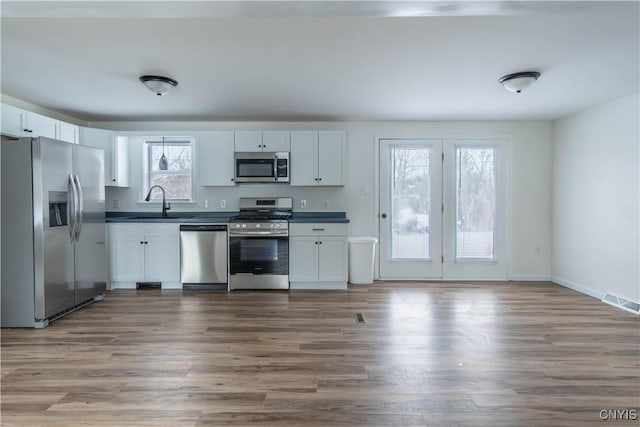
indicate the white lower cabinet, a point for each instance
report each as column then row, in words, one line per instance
column 318, row 256
column 144, row 252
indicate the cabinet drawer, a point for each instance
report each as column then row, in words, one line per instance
column 317, row 229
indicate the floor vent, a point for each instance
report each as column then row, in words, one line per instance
column 148, row 285
column 622, row 303
column 360, row 318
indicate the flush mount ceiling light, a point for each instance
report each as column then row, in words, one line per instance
column 158, row 84
column 516, row 82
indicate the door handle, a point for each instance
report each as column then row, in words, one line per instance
column 80, row 212
column 384, row 215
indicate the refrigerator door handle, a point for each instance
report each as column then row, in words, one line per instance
column 80, row 210
column 71, row 209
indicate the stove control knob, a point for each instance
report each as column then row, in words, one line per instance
column 258, row 225
column 237, row 225
column 244, row 225
column 273, row 225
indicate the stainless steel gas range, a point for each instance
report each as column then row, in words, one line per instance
column 259, row 244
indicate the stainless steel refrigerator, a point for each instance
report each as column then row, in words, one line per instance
column 54, row 256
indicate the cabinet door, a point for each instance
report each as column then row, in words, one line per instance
column 304, row 158
column 331, row 157
column 13, row 121
column 276, row 141
column 119, row 162
column 41, row 125
column 68, row 132
column 248, row 141
column 127, row 258
column 303, row 258
column 332, row 259
column 116, row 156
column 162, row 258
column 215, row 159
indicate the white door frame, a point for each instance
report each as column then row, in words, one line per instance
column 447, row 140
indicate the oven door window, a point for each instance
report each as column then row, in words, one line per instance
column 254, row 168
column 259, row 255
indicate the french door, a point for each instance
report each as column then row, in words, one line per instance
column 443, row 209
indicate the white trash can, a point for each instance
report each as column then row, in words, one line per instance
column 361, row 255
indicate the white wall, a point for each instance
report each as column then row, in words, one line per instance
column 596, row 186
column 530, row 183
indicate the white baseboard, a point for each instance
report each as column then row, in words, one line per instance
column 576, row 287
column 530, row 278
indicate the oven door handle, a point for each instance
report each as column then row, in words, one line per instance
column 258, row 233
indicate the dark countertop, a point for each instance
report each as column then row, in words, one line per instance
column 217, row 217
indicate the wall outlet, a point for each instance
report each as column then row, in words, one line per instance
column 364, row 191
column 537, row 250
column 326, row 204
column 115, row 203
column 303, row 204
column 223, row 203
column 206, row 203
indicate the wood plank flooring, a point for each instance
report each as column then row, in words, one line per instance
column 441, row 354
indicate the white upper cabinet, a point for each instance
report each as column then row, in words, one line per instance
column 68, row 132
column 215, row 159
column 276, row 141
column 116, row 156
column 304, row 158
column 269, row 141
column 318, row 158
column 12, row 121
column 19, row 122
column 40, row 125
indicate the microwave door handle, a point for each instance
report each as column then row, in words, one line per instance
column 275, row 167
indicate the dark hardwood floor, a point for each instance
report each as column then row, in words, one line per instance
column 442, row 354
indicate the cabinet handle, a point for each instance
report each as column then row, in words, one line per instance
column 320, row 242
column 141, row 243
column 113, row 180
column 317, row 229
column 316, row 242
column 146, row 243
column 231, row 179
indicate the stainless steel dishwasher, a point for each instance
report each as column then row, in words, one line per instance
column 203, row 256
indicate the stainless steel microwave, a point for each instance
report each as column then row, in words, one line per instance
column 261, row 167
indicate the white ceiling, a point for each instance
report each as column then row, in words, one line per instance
column 302, row 60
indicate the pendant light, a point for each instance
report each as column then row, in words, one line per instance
column 163, row 165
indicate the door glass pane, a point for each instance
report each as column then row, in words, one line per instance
column 410, row 202
column 476, row 203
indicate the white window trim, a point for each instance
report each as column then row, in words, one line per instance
column 144, row 178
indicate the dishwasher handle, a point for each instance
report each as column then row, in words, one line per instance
column 203, row 227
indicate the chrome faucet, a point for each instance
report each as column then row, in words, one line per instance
column 165, row 206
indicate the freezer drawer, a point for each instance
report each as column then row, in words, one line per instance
column 203, row 255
